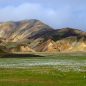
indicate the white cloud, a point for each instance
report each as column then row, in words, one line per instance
column 34, row 10
column 56, row 16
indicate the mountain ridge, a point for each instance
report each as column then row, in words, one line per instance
column 36, row 36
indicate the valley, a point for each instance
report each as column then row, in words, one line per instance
column 62, row 69
column 35, row 54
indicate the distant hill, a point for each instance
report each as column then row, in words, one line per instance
column 35, row 36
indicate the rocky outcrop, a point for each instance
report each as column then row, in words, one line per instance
column 47, row 46
column 21, row 48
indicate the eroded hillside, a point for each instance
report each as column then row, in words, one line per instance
column 35, row 36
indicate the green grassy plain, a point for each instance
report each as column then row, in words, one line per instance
column 68, row 70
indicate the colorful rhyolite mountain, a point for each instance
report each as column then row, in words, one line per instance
column 35, row 36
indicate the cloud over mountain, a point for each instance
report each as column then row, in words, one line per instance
column 57, row 13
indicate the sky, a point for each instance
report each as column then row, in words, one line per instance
column 56, row 13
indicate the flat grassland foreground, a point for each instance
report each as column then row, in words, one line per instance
column 44, row 69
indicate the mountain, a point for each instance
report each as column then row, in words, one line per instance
column 20, row 31
column 35, row 36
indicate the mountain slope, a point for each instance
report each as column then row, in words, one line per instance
column 33, row 35
column 17, row 31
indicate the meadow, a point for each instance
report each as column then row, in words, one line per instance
column 43, row 69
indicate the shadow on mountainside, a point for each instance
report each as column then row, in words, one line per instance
column 20, row 56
